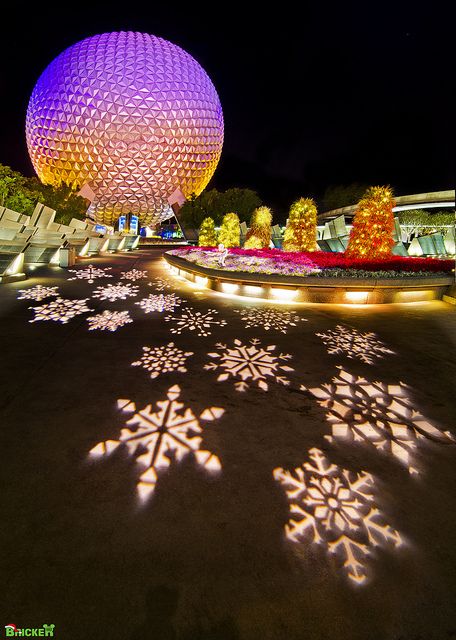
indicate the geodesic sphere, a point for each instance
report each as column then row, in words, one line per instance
column 132, row 116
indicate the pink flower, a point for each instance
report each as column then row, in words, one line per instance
column 291, row 262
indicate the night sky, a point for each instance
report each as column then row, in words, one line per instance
column 326, row 96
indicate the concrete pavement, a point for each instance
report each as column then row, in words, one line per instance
column 204, row 553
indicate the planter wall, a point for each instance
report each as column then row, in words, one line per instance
column 280, row 288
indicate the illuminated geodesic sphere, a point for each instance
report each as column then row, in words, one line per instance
column 132, row 116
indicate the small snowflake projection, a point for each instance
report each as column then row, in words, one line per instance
column 160, row 284
column 90, row 273
column 162, row 437
column 114, row 292
column 133, row 275
column 249, row 362
column 334, row 507
column 160, row 302
column 270, row 319
column 353, row 344
column 60, row 310
column 37, row 293
column 109, row 320
column 196, row 321
column 376, row 413
column 163, row 359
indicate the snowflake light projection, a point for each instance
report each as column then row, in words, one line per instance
column 37, row 293
column 114, row 292
column 191, row 320
column 90, row 273
column 353, row 344
column 60, row 310
column 376, row 413
column 334, row 507
column 161, row 437
column 109, row 320
column 161, row 302
column 269, row 319
column 164, row 359
column 249, row 362
column 160, row 284
column 132, row 116
column 133, row 275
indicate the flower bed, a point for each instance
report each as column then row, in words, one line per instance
column 317, row 263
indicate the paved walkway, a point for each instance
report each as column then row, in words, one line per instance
column 213, row 468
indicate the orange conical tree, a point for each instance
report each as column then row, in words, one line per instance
column 373, row 225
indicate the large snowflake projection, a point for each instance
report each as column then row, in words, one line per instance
column 160, row 302
column 161, row 437
column 164, row 359
column 109, row 320
column 90, row 273
column 249, row 363
column 269, row 319
column 133, row 275
column 37, row 293
column 334, row 507
column 114, row 292
column 353, row 344
column 376, row 413
column 190, row 320
column 160, row 284
column 60, row 310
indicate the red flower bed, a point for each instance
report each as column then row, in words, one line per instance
column 394, row 263
column 326, row 260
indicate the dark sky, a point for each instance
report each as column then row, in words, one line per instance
column 313, row 94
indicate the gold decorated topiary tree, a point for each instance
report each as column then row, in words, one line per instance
column 230, row 231
column 207, row 234
column 259, row 234
column 373, row 225
column 301, row 231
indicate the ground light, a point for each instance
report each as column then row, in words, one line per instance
column 357, row 297
column 229, row 287
column 17, row 265
column 284, row 294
